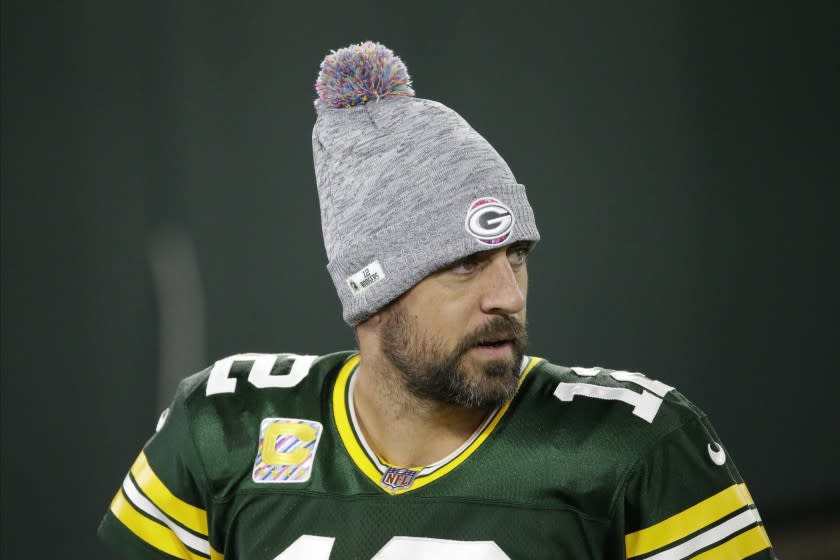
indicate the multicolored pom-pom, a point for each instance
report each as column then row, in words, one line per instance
column 360, row 73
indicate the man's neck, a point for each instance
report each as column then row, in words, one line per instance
column 403, row 430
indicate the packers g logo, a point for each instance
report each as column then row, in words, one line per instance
column 489, row 221
column 286, row 450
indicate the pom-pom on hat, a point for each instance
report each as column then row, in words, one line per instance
column 405, row 185
column 360, row 73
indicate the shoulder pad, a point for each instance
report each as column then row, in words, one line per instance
column 648, row 398
column 226, row 403
column 260, row 371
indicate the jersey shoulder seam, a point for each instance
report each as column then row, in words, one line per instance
column 625, row 477
column 188, row 394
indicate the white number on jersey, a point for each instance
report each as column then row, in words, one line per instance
column 260, row 375
column 309, row 547
column 645, row 404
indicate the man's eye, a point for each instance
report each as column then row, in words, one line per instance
column 464, row 266
column 517, row 255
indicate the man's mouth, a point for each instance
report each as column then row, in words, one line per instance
column 496, row 342
column 498, row 339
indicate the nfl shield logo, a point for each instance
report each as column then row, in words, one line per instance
column 397, row 478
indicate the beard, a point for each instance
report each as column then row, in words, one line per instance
column 431, row 373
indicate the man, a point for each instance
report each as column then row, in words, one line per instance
column 439, row 439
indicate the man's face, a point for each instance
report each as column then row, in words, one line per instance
column 458, row 336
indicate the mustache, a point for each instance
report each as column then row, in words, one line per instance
column 500, row 327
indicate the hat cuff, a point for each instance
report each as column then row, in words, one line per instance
column 405, row 253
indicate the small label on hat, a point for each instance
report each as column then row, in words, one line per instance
column 365, row 278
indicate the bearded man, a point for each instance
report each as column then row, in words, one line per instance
column 439, row 438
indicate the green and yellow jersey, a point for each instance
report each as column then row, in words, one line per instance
column 260, row 458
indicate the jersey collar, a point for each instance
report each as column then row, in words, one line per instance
column 391, row 478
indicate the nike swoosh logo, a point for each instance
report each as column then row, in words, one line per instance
column 718, row 456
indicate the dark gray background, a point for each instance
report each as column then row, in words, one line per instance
column 159, row 212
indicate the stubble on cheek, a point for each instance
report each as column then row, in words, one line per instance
column 429, row 372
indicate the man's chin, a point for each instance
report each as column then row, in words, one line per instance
column 493, row 389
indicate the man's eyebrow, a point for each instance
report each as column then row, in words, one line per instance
column 483, row 255
column 523, row 244
column 466, row 258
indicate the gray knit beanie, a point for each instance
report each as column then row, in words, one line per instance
column 405, row 185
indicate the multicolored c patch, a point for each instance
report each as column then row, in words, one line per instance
column 286, row 450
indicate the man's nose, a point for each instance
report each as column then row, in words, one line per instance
column 501, row 292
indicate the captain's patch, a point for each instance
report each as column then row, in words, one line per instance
column 286, row 450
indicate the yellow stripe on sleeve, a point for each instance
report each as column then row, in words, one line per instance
column 149, row 531
column 216, row 555
column 187, row 515
column 742, row 546
column 687, row 521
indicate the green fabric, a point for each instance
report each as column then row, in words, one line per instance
column 555, row 479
